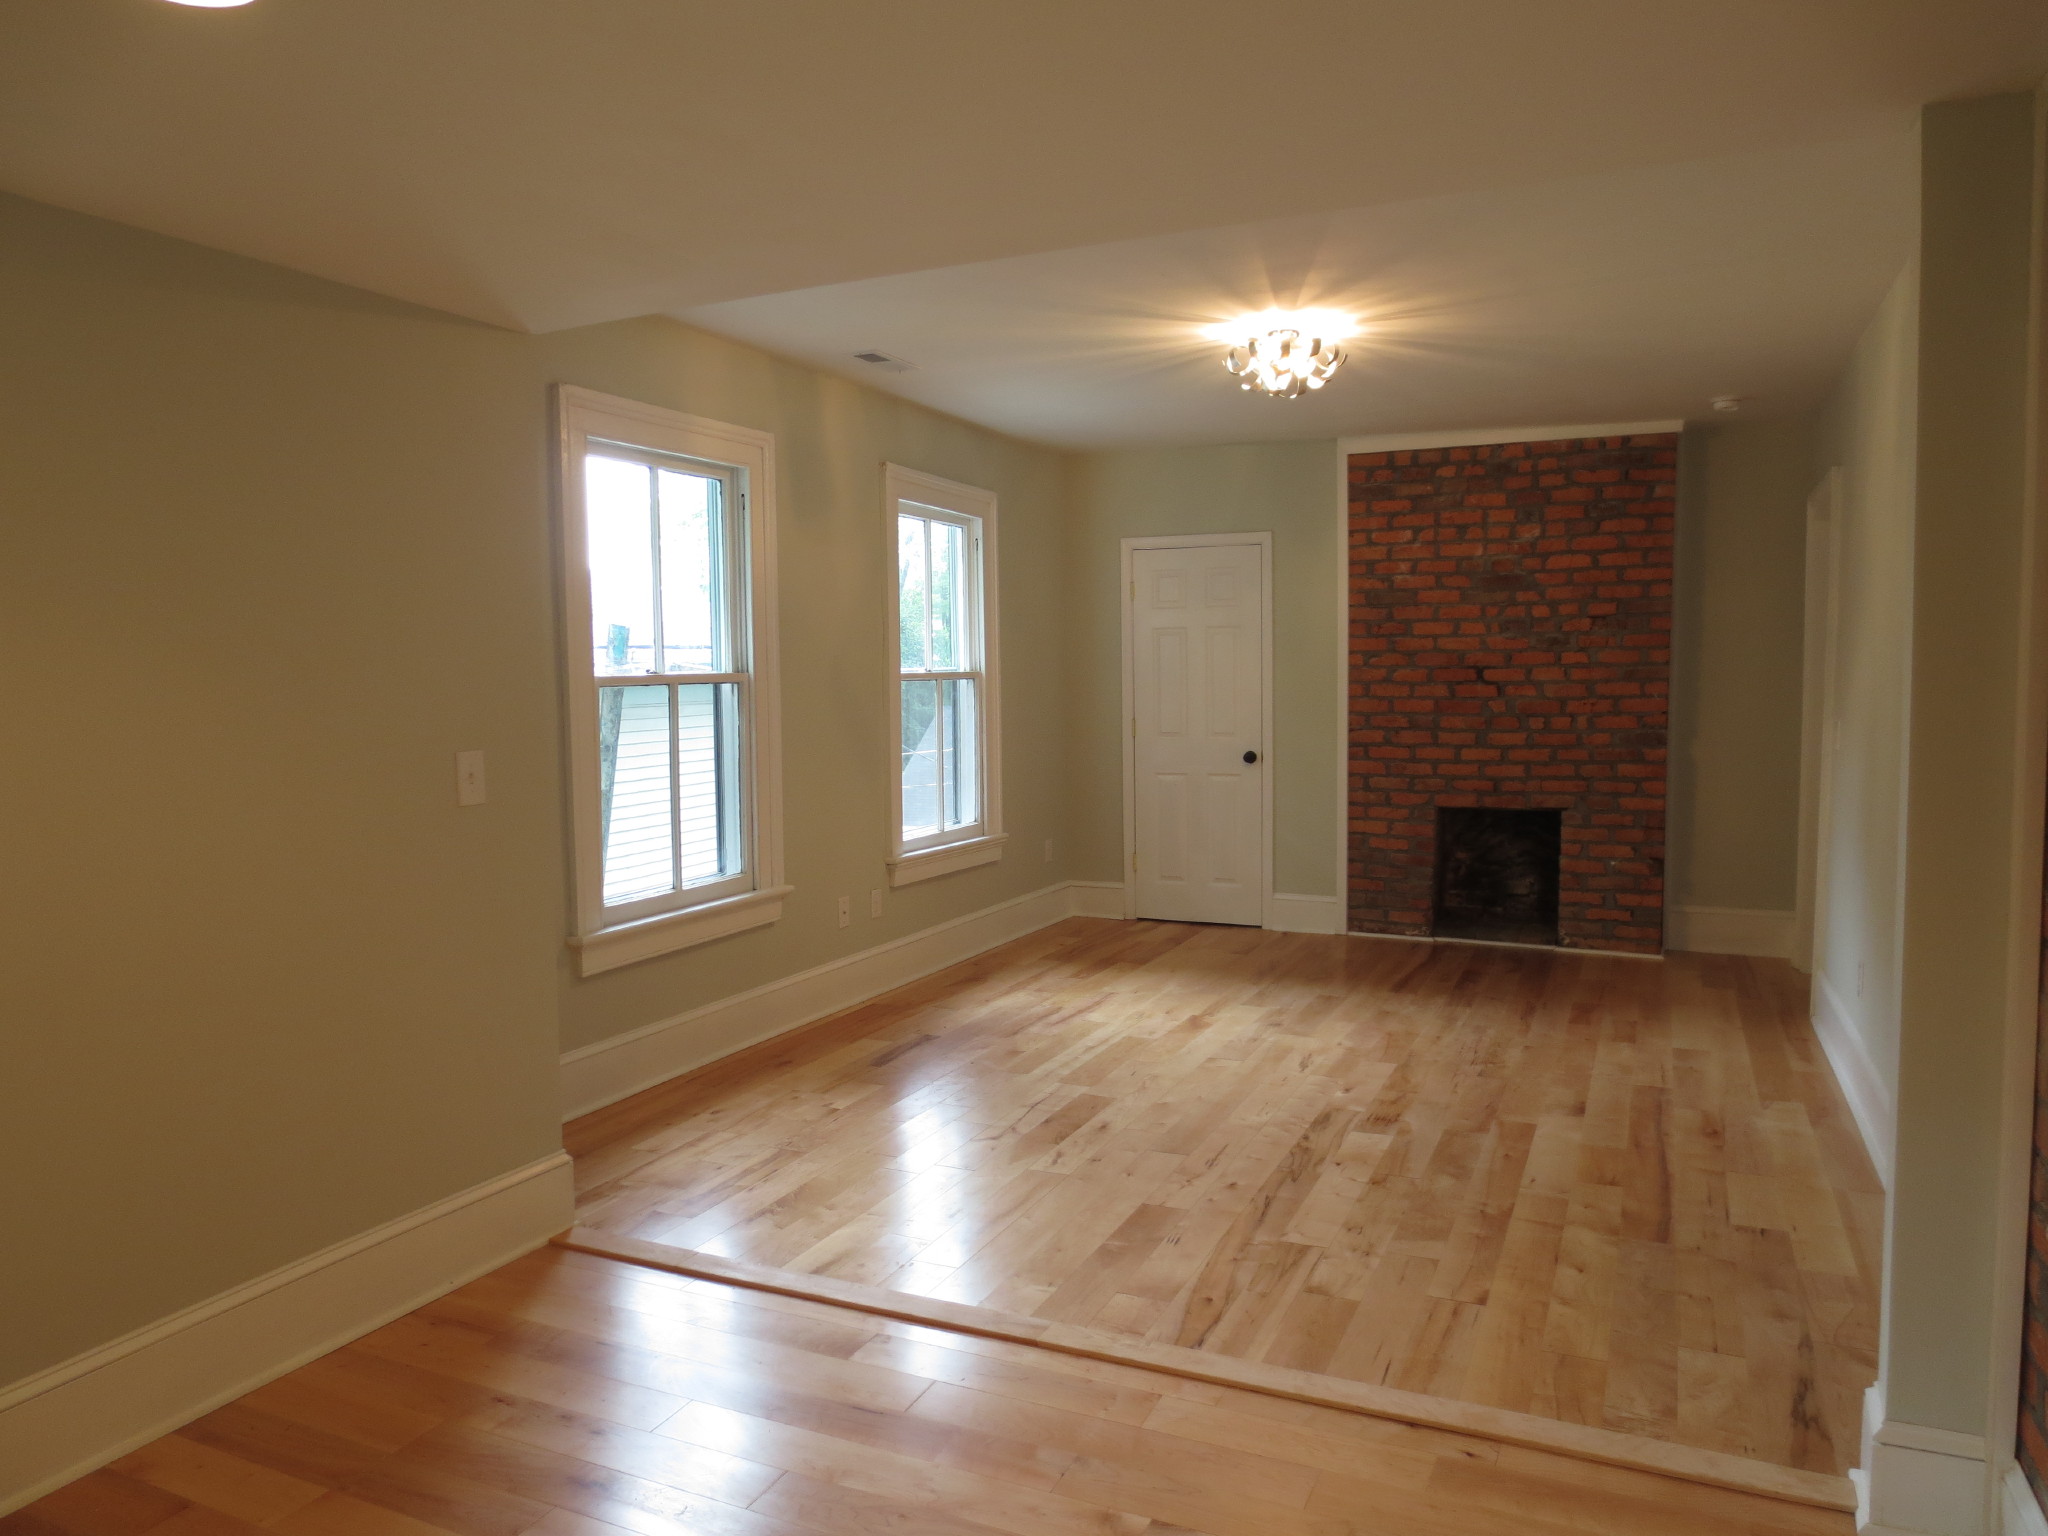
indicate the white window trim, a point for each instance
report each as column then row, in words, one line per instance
column 909, row 866
column 601, row 945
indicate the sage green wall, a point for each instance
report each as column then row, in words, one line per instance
column 1735, row 721
column 1287, row 489
column 836, row 569
column 271, row 552
column 1737, row 640
column 1966, row 934
column 270, row 555
column 1868, row 431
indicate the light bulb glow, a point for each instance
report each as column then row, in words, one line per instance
column 1283, row 352
column 1333, row 323
column 212, row 5
column 1285, row 363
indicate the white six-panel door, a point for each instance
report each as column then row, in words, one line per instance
column 1197, row 627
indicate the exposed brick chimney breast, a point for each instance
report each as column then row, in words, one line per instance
column 1511, row 647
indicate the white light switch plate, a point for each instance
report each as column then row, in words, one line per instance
column 469, row 778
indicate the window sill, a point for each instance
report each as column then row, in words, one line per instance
column 609, row 948
column 909, row 868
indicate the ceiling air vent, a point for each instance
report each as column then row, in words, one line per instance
column 885, row 362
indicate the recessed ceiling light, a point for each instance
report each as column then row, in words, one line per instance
column 211, row 5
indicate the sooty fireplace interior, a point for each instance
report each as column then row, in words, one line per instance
column 1496, row 874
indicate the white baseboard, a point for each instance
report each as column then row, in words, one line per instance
column 61, row 1423
column 1097, row 898
column 1730, row 931
column 2020, row 1511
column 615, row 1069
column 1917, row 1481
column 1870, row 1102
column 1287, row 913
column 1305, row 914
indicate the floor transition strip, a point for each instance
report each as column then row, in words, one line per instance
column 1587, row 1443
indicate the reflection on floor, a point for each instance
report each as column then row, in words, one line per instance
column 573, row 1396
column 1608, row 1191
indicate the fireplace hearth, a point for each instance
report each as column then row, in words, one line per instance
column 1496, row 874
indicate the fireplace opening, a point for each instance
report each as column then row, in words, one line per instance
column 1496, row 874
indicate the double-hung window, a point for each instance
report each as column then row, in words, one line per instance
column 948, row 801
column 668, row 556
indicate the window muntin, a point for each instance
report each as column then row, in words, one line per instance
column 668, row 557
column 942, row 793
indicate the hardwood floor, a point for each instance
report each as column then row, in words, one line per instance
column 1605, row 1191
column 566, row 1395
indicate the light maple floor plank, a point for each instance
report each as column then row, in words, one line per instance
column 568, row 1395
column 976, row 1328
column 1609, row 1192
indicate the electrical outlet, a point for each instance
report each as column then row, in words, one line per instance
column 875, row 902
column 469, row 778
column 845, row 910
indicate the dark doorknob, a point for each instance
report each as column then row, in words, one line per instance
column 1251, row 757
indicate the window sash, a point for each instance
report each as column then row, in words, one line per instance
column 731, row 826
column 966, row 598
column 969, row 648
column 729, row 568
column 949, row 744
column 732, row 715
column 744, row 753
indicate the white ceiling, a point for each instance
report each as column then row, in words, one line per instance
column 1637, row 295
column 541, row 164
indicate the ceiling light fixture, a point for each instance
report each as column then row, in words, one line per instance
column 211, row 5
column 1283, row 353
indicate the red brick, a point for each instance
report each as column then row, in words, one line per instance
column 1511, row 612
